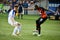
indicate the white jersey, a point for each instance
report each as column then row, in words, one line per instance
column 11, row 15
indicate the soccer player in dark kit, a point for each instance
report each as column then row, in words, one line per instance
column 40, row 20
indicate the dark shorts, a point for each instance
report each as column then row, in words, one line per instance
column 41, row 20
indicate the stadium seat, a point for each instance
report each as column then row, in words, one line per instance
column 51, row 14
column 52, row 8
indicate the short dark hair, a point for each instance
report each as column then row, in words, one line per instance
column 16, row 5
column 36, row 7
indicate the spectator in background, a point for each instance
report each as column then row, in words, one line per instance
column 25, row 5
column 4, row 2
column 9, row 0
column 57, row 14
column 13, row 3
column 20, row 10
column 10, row 8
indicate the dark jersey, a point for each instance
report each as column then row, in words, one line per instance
column 20, row 8
column 43, row 13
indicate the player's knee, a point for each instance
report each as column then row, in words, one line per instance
column 18, row 24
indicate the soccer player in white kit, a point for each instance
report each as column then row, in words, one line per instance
column 12, row 22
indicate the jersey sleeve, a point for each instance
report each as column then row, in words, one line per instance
column 13, row 13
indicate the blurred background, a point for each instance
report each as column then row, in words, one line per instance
column 52, row 5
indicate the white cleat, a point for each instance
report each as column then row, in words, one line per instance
column 38, row 35
column 35, row 32
column 14, row 34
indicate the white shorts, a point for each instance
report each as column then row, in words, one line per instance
column 12, row 24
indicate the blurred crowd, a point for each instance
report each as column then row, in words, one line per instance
column 24, row 4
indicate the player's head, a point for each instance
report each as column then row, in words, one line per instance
column 36, row 7
column 16, row 7
column 20, row 2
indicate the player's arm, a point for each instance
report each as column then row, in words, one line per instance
column 51, row 11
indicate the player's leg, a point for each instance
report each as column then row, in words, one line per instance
column 21, row 16
column 16, row 29
column 37, row 23
column 37, row 26
column 11, row 23
column 39, row 30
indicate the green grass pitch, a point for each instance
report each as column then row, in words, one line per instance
column 50, row 29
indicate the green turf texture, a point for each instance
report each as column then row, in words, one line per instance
column 50, row 29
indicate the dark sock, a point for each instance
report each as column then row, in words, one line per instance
column 36, row 27
column 21, row 16
column 39, row 30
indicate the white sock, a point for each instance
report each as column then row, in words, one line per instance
column 18, row 29
column 15, row 30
